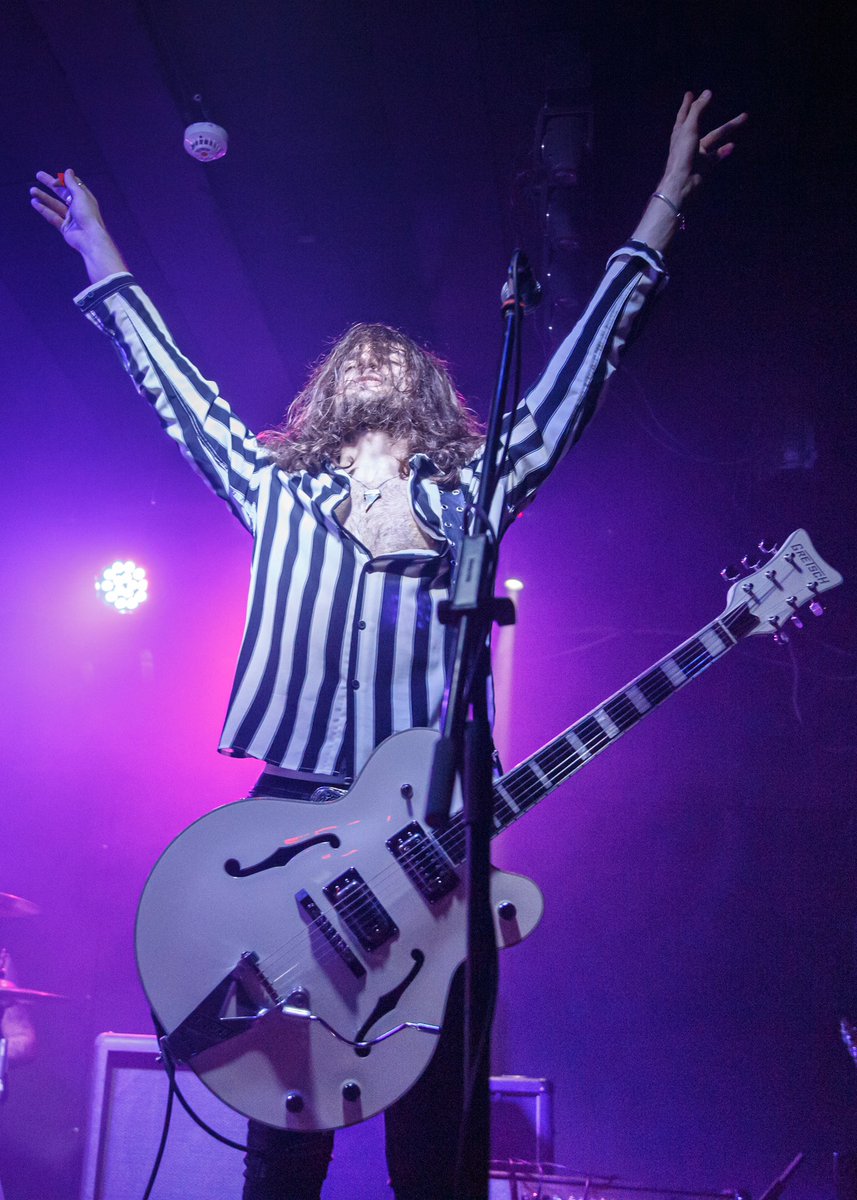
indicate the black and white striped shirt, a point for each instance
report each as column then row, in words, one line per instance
column 341, row 649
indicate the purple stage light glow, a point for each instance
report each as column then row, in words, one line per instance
column 123, row 585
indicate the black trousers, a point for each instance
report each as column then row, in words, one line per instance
column 421, row 1129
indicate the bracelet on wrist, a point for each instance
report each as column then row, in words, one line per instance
column 677, row 213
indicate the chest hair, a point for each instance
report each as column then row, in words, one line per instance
column 388, row 524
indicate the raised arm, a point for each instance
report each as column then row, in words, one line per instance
column 554, row 413
column 71, row 208
column 690, row 156
column 189, row 406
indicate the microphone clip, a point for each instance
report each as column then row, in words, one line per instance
column 521, row 284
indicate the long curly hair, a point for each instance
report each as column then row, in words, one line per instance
column 422, row 410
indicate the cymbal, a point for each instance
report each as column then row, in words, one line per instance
column 16, row 906
column 10, row 993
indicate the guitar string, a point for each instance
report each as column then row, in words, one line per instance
column 702, row 659
column 524, row 798
column 454, row 837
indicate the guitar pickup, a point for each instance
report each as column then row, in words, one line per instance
column 423, row 861
column 361, row 910
column 328, row 931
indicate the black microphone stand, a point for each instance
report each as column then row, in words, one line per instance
column 465, row 748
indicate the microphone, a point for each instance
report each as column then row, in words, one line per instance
column 529, row 289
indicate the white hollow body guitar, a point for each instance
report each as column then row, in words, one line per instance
column 299, row 955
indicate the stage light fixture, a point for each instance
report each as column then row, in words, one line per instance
column 123, row 585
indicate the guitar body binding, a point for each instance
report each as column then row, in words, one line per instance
column 299, row 956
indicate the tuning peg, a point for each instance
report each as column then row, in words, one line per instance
column 796, row 621
column 751, row 562
column 782, row 639
column 816, row 608
column 731, row 573
column 767, row 547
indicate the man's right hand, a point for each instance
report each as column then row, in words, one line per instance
column 73, row 210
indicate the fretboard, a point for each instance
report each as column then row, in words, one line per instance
column 536, row 777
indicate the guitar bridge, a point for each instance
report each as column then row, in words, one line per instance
column 327, row 930
column 230, row 1008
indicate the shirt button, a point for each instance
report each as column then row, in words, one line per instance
column 361, row 624
column 355, row 684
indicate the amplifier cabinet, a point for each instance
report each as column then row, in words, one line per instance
column 126, row 1114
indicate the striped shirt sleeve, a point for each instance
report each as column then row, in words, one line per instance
column 190, row 408
column 555, row 411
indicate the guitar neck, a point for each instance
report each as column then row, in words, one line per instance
column 524, row 786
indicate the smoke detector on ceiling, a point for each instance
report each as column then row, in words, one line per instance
column 206, row 141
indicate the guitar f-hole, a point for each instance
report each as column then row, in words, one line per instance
column 388, row 1002
column 281, row 856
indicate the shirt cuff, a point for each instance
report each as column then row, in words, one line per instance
column 105, row 287
column 640, row 250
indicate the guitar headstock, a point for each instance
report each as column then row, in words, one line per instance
column 793, row 576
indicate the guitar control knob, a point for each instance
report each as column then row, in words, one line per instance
column 294, row 1102
column 351, row 1091
column 507, row 911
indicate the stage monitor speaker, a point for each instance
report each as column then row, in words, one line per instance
column 128, row 1100
column 521, row 1119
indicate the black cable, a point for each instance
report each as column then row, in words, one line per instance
column 169, row 1067
column 517, row 317
column 163, row 1144
column 476, row 1074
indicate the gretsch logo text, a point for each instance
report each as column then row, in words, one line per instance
column 809, row 562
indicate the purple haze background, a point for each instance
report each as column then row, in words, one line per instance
column 698, row 949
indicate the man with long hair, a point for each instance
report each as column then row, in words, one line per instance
column 358, row 506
